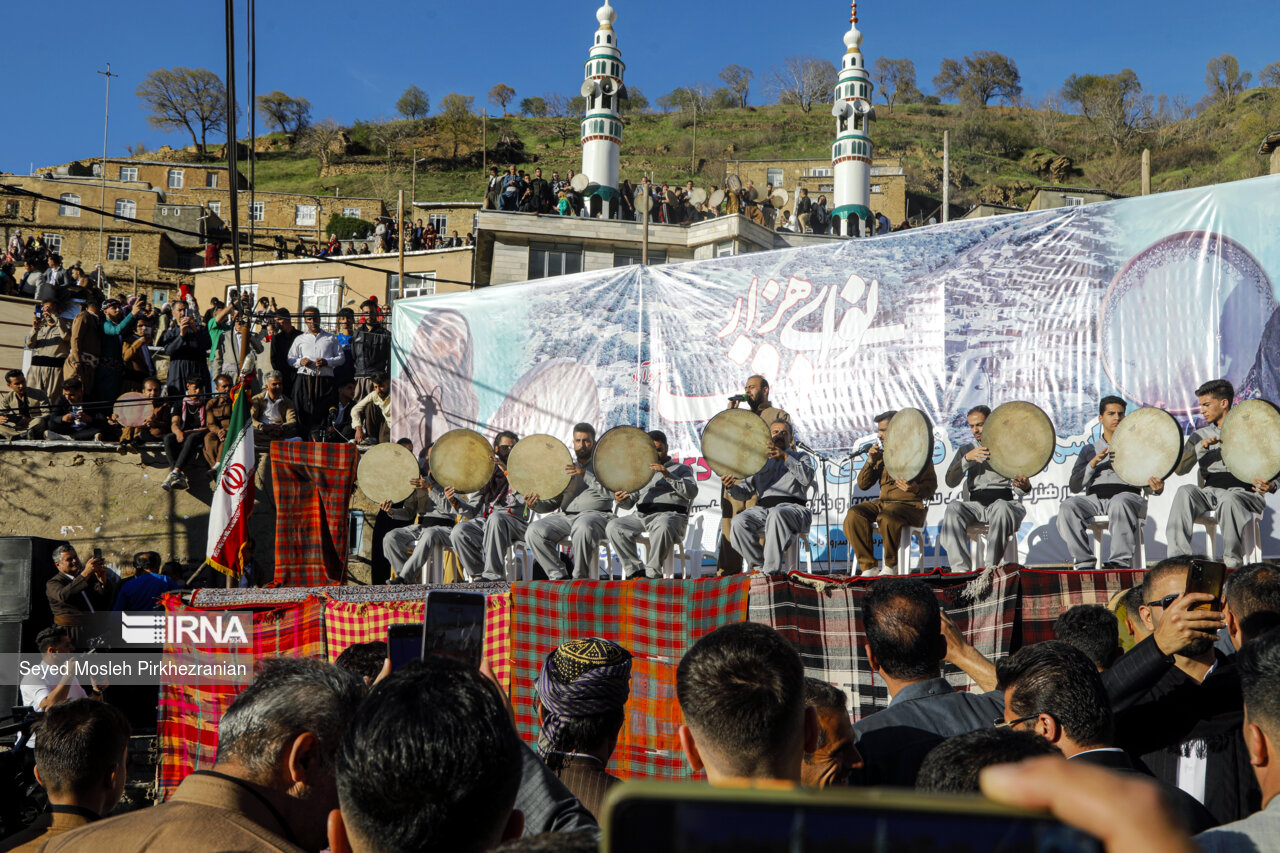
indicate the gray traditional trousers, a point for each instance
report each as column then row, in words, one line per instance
column 780, row 525
column 664, row 529
column 1003, row 518
column 1124, row 511
column 479, row 544
column 584, row 532
column 1236, row 508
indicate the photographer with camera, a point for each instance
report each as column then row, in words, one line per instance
column 77, row 590
column 235, row 344
column 187, row 344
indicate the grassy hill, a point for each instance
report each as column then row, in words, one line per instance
column 998, row 154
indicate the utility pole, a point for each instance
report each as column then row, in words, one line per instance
column 400, row 237
column 484, row 140
column 413, row 187
column 1146, row 171
column 102, row 202
column 946, row 176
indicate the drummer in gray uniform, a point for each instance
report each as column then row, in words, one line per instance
column 662, row 512
column 782, row 512
column 1104, row 494
column 991, row 501
column 432, row 507
column 1236, row 501
column 495, row 517
column 580, row 514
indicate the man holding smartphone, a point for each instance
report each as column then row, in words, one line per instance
column 1236, row 501
column 79, row 589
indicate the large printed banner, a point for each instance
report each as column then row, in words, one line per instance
column 1145, row 298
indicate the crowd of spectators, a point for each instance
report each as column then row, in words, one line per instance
column 1144, row 749
column 87, row 350
column 385, row 237
column 517, row 191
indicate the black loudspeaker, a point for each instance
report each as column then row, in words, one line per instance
column 26, row 564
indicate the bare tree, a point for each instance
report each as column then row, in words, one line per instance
column 738, row 80
column 322, row 140
column 978, row 78
column 1224, row 79
column 803, row 81
column 1113, row 103
column 896, row 79
column 414, row 103
column 185, row 98
column 287, row 113
column 565, row 121
column 1047, row 118
column 500, row 95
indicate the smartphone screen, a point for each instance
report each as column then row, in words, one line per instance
column 455, row 626
column 682, row 825
column 97, row 553
column 1207, row 576
column 404, row 643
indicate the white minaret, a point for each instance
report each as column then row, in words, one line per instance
column 851, row 154
column 602, row 125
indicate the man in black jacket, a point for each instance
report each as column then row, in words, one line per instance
column 370, row 348
column 1053, row 690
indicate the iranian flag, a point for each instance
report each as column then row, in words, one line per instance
column 233, row 497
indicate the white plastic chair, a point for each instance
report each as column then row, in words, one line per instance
column 904, row 550
column 977, row 534
column 1252, row 536
column 1100, row 524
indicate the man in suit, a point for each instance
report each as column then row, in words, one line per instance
column 274, row 415
column 905, row 648
column 1053, row 690
column 273, row 784
column 77, row 589
column 1187, row 725
column 1259, row 664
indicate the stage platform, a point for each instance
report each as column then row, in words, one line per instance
column 657, row 620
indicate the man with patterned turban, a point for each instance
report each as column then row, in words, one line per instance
column 582, row 689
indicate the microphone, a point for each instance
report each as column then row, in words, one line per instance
column 866, row 448
column 806, row 448
column 739, row 398
column 333, row 414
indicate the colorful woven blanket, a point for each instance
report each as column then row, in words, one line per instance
column 824, row 620
column 656, row 620
column 312, row 487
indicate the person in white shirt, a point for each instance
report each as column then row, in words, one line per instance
column 371, row 416
column 314, row 354
column 41, row 690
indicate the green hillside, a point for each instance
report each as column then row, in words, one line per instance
column 998, row 154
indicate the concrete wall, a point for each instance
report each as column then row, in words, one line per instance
column 15, row 325
column 888, row 182
column 283, row 279
column 97, row 498
column 460, row 218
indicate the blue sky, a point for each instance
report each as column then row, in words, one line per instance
column 352, row 62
